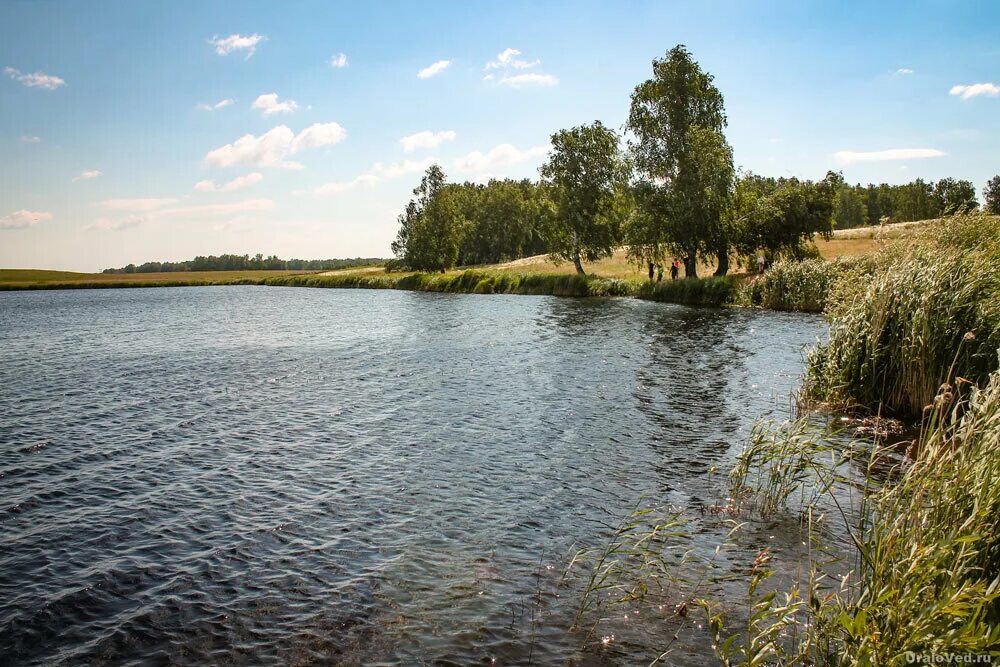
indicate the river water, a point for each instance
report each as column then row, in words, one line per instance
column 255, row 475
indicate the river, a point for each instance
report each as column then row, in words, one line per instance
column 256, row 475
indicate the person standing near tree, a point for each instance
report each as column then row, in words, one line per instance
column 673, row 269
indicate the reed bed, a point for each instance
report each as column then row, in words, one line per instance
column 928, row 311
column 798, row 285
column 714, row 291
column 926, row 577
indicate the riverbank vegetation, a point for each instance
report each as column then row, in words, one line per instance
column 926, row 313
column 901, row 554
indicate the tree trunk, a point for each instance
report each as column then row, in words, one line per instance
column 723, row 255
column 576, row 255
column 650, row 272
column 691, row 265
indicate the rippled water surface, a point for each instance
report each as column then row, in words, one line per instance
column 254, row 475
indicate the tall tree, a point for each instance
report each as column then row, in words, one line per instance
column 781, row 215
column 954, row 195
column 435, row 237
column 588, row 178
column 991, row 196
column 643, row 233
column 672, row 113
column 849, row 208
column 432, row 181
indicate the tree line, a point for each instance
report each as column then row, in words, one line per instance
column 257, row 262
column 869, row 205
column 668, row 188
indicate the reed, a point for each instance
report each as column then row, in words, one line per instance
column 926, row 579
column 798, row 285
column 928, row 313
column 714, row 291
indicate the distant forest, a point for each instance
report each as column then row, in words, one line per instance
column 247, row 263
column 867, row 205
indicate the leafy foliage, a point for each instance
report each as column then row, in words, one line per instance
column 587, row 176
column 680, row 152
column 991, row 196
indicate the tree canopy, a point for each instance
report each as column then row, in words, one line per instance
column 587, row 176
column 677, row 118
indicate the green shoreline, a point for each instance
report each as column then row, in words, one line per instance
column 714, row 291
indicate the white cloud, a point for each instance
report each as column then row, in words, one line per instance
column 338, row 187
column 850, row 157
column 213, row 107
column 508, row 58
column 86, row 175
column 508, row 61
column 338, row 61
column 377, row 173
column 236, row 184
column 269, row 104
column 226, row 45
column 141, row 204
column 214, row 209
column 432, row 69
column 503, row 155
column 975, row 90
column 267, row 150
column 23, row 218
column 109, row 225
column 35, row 80
column 31, row 140
column 426, row 139
column 528, row 79
column 271, row 148
column 319, row 134
column 903, row 71
column 395, row 169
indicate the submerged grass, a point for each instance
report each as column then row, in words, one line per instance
column 926, row 580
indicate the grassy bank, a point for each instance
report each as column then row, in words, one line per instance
column 470, row 282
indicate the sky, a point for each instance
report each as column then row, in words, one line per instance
column 157, row 131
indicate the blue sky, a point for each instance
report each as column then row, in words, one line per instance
column 110, row 155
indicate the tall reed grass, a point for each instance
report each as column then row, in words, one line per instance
column 926, row 580
column 714, row 291
column 798, row 285
column 928, row 313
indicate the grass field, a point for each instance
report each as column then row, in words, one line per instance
column 30, row 277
